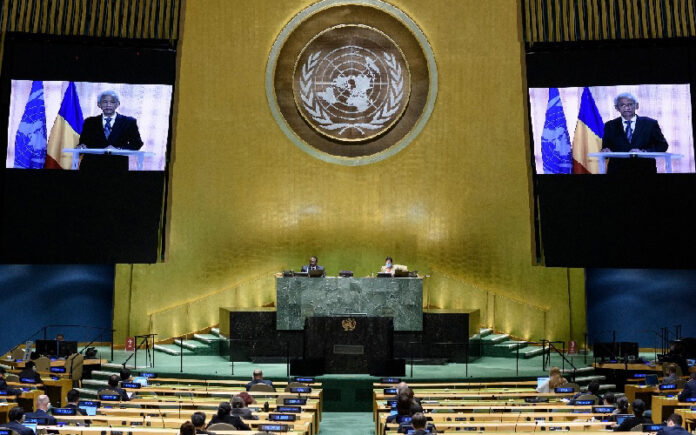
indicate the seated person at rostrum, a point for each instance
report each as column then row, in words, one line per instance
column 390, row 267
column 313, row 265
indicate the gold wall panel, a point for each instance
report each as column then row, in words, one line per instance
column 245, row 201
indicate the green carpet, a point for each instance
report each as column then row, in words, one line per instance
column 213, row 366
column 344, row 393
column 347, row 423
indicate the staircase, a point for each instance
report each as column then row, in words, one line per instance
column 500, row 345
column 200, row 344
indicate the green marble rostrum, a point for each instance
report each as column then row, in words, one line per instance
column 299, row 298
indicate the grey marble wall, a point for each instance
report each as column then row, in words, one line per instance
column 299, row 298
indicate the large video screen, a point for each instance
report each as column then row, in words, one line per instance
column 56, row 124
column 568, row 126
column 642, row 212
column 86, row 140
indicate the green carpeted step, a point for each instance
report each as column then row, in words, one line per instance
column 580, row 370
column 496, row 338
column 504, row 349
column 192, row 345
column 104, row 374
column 588, row 379
column 112, row 367
column 484, row 332
column 206, row 338
column 171, row 349
column 94, row 384
column 216, row 332
column 533, row 351
column 87, row 393
column 198, row 347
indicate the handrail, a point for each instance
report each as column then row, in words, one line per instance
column 562, row 354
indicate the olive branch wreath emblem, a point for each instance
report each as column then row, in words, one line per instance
column 318, row 114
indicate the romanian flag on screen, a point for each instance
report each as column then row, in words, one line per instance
column 588, row 136
column 65, row 132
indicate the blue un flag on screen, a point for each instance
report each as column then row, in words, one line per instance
column 556, row 152
column 30, row 142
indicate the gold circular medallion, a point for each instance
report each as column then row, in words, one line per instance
column 351, row 82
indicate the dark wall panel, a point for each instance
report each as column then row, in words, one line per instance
column 34, row 296
column 637, row 303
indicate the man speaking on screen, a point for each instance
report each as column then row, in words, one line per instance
column 632, row 133
column 110, row 130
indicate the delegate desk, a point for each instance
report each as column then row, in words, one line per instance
column 663, row 406
column 299, row 298
column 5, row 410
column 646, row 394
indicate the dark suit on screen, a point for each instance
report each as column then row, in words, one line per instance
column 124, row 135
column 647, row 136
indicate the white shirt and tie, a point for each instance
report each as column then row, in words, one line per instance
column 110, row 120
column 630, row 127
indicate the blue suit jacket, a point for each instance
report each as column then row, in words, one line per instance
column 40, row 413
column 688, row 391
column 647, row 136
column 673, row 430
column 19, row 428
column 259, row 381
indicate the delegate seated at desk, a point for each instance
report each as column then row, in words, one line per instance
column 313, row 265
column 4, row 387
column 29, row 372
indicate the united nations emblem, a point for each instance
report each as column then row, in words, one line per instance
column 351, row 82
column 348, row 324
column 356, row 90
